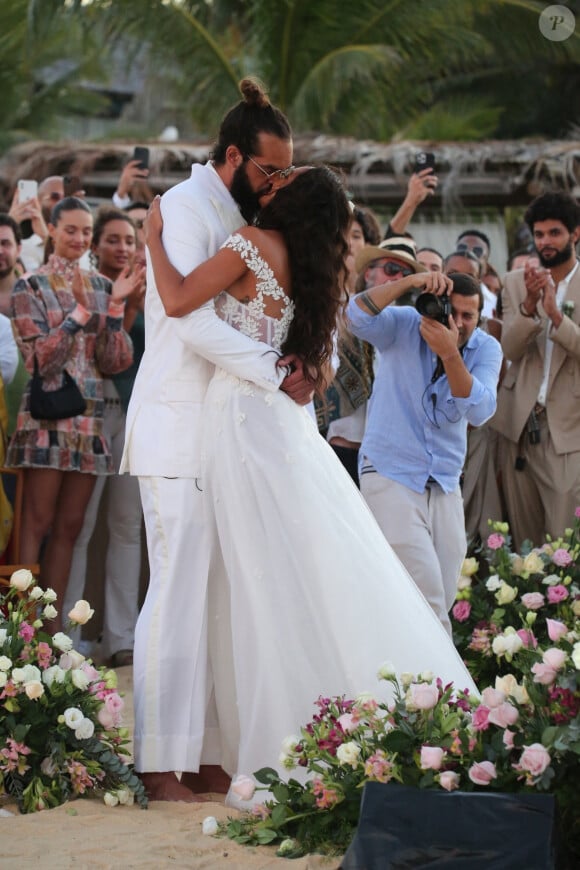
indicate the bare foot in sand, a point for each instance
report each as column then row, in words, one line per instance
column 211, row 778
column 166, row 787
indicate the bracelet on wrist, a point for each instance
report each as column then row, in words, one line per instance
column 374, row 309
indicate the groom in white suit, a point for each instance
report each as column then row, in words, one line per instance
column 171, row 683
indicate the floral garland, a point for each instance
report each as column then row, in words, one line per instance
column 60, row 717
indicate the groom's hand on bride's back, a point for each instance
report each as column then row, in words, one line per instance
column 296, row 384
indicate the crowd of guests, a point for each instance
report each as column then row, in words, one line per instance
column 72, row 287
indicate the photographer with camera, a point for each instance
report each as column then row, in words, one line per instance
column 437, row 372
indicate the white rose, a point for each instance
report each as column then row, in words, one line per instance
column 36, row 593
column 34, row 689
column 464, row 582
column 62, row 642
column 551, row 580
column 426, row 676
column 470, row 566
column 30, row 673
column 348, row 753
column 493, row 583
column 512, row 689
column 289, row 743
column 3, row 635
column 209, row 825
column 5, row 663
column 18, row 675
column 575, row 608
column 286, row 847
column 81, row 612
column 73, row 717
column 80, row 679
column 49, row 611
column 111, row 799
column 71, row 660
column 533, row 564
column 505, row 594
column 386, row 671
column 576, row 656
column 49, row 596
column 126, row 797
column 3, row 679
column 54, row 674
column 21, row 579
column 84, row 729
column 406, row 679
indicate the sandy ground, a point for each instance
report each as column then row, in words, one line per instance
column 87, row 834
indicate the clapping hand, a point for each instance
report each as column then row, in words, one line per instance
column 79, row 289
column 129, row 285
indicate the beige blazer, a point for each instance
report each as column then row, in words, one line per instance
column 164, row 418
column 524, row 342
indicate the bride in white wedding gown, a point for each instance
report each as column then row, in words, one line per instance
column 318, row 598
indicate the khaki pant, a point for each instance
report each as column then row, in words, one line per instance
column 543, row 495
column 426, row 531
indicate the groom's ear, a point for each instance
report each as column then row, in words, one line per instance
column 234, row 156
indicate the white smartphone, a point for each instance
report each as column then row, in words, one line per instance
column 27, row 189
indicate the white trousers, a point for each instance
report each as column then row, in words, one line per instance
column 123, row 559
column 172, row 686
column 426, row 531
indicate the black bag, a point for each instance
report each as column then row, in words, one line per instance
column 66, row 401
column 404, row 828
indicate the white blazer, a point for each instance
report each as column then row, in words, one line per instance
column 164, row 417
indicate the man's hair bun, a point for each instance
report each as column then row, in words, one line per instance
column 253, row 93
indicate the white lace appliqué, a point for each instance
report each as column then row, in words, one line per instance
column 250, row 318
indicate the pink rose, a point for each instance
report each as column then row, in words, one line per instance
column 508, row 739
column 449, row 780
column 504, row 715
column 482, row 773
column 556, row 629
column 492, row 697
column 461, row 611
column 535, row 759
column 557, row 593
column 562, row 558
column 533, row 600
column 347, row 722
column 554, row 658
column 480, row 718
column 543, row 674
column 577, row 512
column 432, row 757
column 114, row 703
column 527, row 637
column 423, row 695
column 105, row 718
column 495, row 541
column 244, row 787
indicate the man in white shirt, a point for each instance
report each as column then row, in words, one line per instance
column 538, row 402
column 162, row 447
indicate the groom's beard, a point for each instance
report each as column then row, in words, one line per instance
column 558, row 258
column 246, row 198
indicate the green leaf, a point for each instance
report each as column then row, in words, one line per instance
column 266, row 835
column 266, row 775
column 397, row 741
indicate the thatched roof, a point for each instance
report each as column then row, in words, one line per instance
column 471, row 174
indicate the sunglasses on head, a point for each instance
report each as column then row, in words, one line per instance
column 392, row 268
column 476, row 249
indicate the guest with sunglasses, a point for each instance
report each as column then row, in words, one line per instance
column 478, row 244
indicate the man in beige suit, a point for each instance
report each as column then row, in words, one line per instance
column 538, row 409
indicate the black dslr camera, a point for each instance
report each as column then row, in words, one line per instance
column 434, row 307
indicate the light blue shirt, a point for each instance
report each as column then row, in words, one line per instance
column 416, row 429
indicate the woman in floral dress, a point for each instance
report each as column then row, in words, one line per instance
column 65, row 318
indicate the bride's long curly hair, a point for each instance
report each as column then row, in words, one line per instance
column 313, row 215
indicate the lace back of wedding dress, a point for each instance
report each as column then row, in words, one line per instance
column 251, row 318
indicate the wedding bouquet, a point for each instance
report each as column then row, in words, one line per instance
column 60, row 717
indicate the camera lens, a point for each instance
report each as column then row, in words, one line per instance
column 428, row 305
